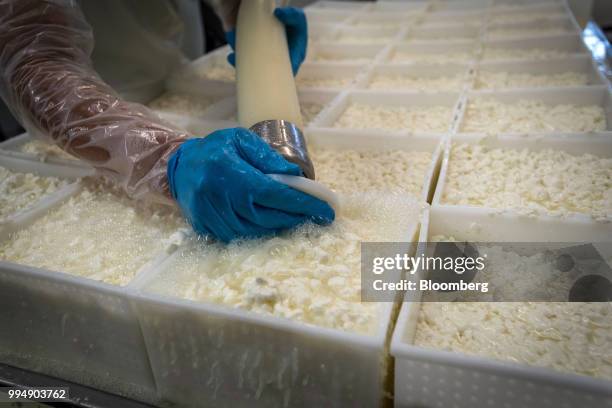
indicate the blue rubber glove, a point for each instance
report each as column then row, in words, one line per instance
column 296, row 28
column 220, row 184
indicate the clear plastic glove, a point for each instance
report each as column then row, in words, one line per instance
column 220, row 183
column 296, row 28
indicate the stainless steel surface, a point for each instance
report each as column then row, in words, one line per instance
column 600, row 48
column 288, row 140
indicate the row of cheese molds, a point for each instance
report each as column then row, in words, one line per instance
column 585, row 110
column 332, row 66
column 462, row 366
column 571, row 72
column 178, row 338
column 216, row 76
column 364, row 161
column 178, row 333
column 418, row 72
column 552, row 110
column 315, row 356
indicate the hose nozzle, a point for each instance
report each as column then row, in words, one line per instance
column 288, row 140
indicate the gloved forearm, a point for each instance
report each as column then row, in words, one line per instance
column 48, row 82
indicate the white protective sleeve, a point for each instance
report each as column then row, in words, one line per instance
column 227, row 10
column 48, row 82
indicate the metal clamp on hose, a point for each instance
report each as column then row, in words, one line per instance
column 288, row 140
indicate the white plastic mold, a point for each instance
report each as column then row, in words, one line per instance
column 425, row 71
column 484, row 225
column 198, row 96
column 448, row 35
column 383, row 19
column 339, row 5
column 192, row 77
column 523, row 17
column 318, row 15
column 12, row 147
column 541, row 11
column 371, row 35
column 552, row 19
column 571, row 44
column 323, row 98
column 225, row 114
column 25, row 218
column 197, row 126
column 179, row 120
column 439, row 378
column 340, row 77
column 321, row 32
column 221, row 356
column 14, row 143
column 224, row 110
column 68, row 326
column 529, row 5
column 21, row 165
column 43, row 169
column 496, row 31
column 328, row 118
column 460, row 5
column 406, row 6
column 576, row 144
column 78, row 330
column 579, row 96
column 370, row 141
column 422, row 50
column 342, row 54
column 450, row 17
column 580, row 64
column 428, row 23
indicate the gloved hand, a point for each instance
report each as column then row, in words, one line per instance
column 296, row 28
column 220, row 184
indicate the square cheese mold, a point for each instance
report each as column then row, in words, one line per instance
column 278, row 358
column 466, row 378
column 330, row 53
column 95, row 233
column 351, row 162
column 24, row 183
column 327, row 77
column 585, row 110
column 530, row 49
column 540, row 186
column 65, row 325
column 392, row 111
column 433, row 53
column 27, row 147
column 565, row 72
column 418, row 78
